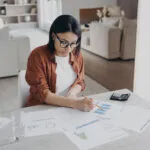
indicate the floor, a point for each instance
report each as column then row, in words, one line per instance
column 112, row 74
column 9, row 86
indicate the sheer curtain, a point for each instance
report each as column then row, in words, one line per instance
column 48, row 11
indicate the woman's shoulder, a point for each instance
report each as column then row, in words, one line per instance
column 79, row 57
column 39, row 50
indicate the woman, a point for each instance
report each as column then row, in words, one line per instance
column 55, row 72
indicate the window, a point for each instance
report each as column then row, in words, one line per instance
column 49, row 10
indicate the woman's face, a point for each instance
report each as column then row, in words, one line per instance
column 64, row 43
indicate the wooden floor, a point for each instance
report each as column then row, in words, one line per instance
column 112, row 74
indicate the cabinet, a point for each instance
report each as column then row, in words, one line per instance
column 19, row 13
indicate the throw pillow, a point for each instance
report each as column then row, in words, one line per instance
column 114, row 11
column 127, row 23
column 111, row 21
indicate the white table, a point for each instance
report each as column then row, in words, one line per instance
column 59, row 142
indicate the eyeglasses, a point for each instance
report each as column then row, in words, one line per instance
column 65, row 44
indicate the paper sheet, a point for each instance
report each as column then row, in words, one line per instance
column 39, row 123
column 128, row 117
column 74, row 118
column 88, row 130
column 98, row 133
column 134, row 118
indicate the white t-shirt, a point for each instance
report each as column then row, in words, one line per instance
column 65, row 75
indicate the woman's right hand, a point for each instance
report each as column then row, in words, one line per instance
column 84, row 104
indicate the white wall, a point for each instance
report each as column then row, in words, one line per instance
column 72, row 6
column 142, row 61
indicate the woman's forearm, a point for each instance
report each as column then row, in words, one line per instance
column 53, row 99
column 74, row 91
column 84, row 104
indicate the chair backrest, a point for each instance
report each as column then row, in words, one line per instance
column 23, row 88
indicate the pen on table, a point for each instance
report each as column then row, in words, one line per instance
column 99, row 107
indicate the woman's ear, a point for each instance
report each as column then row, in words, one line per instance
column 53, row 36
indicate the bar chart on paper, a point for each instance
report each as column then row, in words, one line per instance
column 104, row 109
column 124, row 115
column 108, row 110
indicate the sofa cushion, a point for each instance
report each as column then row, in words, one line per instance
column 129, row 23
column 111, row 21
column 114, row 11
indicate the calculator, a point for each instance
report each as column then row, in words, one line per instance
column 119, row 97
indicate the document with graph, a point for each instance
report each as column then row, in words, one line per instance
column 107, row 110
column 95, row 134
column 86, row 129
column 39, row 123
column 124, row 115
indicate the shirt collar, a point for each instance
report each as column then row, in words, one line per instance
column 71, row 58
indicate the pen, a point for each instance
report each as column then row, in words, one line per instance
column 99, row 107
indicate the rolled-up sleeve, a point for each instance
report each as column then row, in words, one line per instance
column 81, row 76
column 36, row 77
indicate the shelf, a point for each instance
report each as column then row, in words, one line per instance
column 5, row 16
column 20, row 5
column 11, row 20
column 17, row 13
column 23, row 19
column 21, row 23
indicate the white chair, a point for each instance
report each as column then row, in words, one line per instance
column 23, row 88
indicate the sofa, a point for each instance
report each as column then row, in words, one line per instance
column 111, row 37
column 128, row 39
column 110, row 42
column 105, row 40
column 14, row 52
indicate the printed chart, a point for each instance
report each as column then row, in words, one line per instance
column 104, row 108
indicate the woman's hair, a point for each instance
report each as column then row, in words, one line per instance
column 62, row 24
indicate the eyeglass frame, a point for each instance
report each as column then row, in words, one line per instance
column 67, row 43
